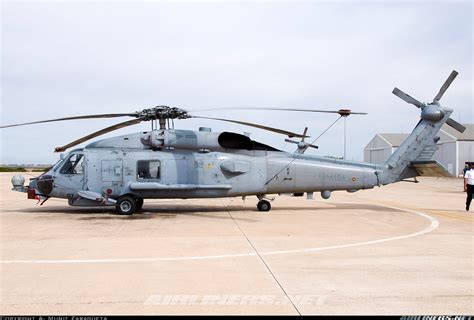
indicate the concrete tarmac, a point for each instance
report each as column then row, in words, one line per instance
column 401, row 249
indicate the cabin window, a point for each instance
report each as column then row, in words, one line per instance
column 148, row 169
column 73, row 164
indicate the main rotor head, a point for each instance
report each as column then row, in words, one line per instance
column 162, row 113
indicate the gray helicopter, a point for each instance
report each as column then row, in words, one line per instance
column 167, row 163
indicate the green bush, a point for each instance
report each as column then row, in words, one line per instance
column 12, row 169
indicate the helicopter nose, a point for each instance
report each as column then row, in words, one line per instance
column 44, row 184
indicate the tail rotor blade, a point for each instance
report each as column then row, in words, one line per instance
column 446, row 85
column 455, row 125
column 407, row 98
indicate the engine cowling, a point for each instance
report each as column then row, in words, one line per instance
column 197, row 140
column 181, row 139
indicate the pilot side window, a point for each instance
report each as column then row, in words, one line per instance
column 73, row 164
column 148, row 169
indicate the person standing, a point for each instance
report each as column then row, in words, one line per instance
column 469, row 185
column 466, row 168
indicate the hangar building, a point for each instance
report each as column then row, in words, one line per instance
column 454, row 150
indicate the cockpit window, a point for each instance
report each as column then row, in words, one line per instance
column 73, row 165
column 148, row 169
column 57, row 165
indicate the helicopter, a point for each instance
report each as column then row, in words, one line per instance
column 171, row 163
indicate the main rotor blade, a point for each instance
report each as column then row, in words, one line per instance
column 446, row 85
column 455, row 125
column 407, row 98
column 98, row 133
column 95, row 116
column 276, row 130
column 346, row 111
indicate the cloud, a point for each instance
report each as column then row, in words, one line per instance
column 62, row 59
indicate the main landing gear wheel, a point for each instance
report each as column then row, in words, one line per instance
column 126, row 205
column 139, row 202
column 264, row 205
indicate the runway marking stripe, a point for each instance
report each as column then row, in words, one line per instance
column 433, row 225
column 441, row 213
column 448, row 214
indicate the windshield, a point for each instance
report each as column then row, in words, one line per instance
column 73, row 164
column 56, row 165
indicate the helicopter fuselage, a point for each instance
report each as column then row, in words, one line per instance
column 111, row 168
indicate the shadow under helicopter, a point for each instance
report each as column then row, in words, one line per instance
column 168, row 211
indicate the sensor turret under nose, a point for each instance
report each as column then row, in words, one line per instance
column 45, row 184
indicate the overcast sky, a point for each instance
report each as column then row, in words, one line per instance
column 64, row 59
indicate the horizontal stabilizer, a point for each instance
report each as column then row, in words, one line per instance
column 430, row 168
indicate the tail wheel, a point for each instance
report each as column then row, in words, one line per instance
column 264, row 205
column 126, row 205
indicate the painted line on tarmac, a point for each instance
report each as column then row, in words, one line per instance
column 433, row 225
column 449, row 214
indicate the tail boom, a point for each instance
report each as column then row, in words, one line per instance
column 423, row 137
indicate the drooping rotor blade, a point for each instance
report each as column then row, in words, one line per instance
column 95, row 116
column 407, row 98
column 347, row 111
column 455, row 125
column 304, row 133
column 446, row 85
column 98, row 133
column 276, row 130
column 298, row 142
column 291, row 141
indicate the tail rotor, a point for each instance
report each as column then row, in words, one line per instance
column 433, row 111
